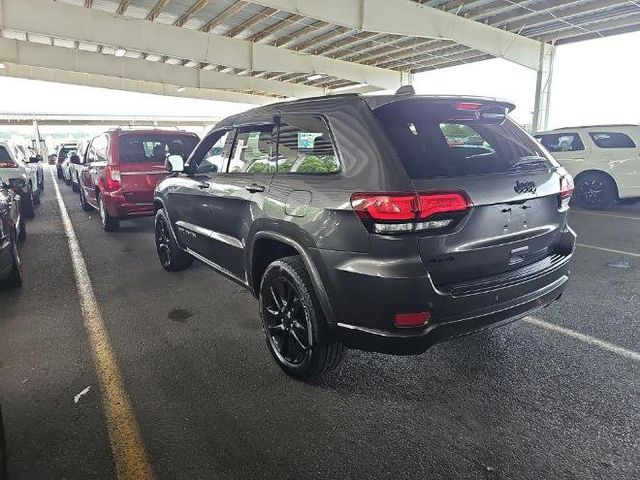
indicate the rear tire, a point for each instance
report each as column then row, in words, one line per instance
column 83, row 202
column 171, row 256
column 22, row 231
column 595, row 191
column 293, row 321
column 15, row 277
column 68, row 181
column 75, row 187
column 28, row 205
column 109, row 223
column 59, row 171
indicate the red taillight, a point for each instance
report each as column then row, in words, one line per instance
column 566, row 190
column 8, row 165
column 566, row 185
column 113, row 180
column 468, row 106
column 408, row 320
column 404, row 212
column 394, row 207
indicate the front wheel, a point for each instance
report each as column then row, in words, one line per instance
column 171, row 256
column 22, row 231
column 15, row 277
column 28, row 205
column 595, row 191
column 293, row 321
column 83, row 202
column 109, row 223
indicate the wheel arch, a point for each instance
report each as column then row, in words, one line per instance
column 257, row 264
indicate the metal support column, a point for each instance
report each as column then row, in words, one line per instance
column 543, row 88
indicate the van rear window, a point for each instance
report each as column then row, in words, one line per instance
column 433, row 139
column 154, row 148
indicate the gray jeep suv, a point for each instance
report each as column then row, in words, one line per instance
column 382, row 223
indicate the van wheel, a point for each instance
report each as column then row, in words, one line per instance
column 75, row 187
column 109, row 223
column 595, row 191
column 293, row 321
column 15, row 277
column 28, row 207
column 83, row 202
column 171, row 256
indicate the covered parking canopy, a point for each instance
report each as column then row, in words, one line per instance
column 260, row 50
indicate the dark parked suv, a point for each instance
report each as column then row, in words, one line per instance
column 382, row 223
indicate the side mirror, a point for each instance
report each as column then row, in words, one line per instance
column 52, row 158
column 34, row 159
column 174, row 164
column 75, row 159
column 17, row 183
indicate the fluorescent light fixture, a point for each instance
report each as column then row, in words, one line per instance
column 315, row 76
column 120, row 52
column 180, row 89
column 349, row 87
column 2, row 65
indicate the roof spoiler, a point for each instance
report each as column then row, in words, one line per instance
column 406, row 90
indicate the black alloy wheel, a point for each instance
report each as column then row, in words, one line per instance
column 171, row 256
column 286, row 322
column 295, row 328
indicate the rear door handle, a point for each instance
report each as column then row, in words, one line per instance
column 203, row 185
column 255, row 188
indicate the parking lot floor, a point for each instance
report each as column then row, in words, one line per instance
column 520, row 402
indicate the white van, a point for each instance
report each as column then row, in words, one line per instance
column 603, row 159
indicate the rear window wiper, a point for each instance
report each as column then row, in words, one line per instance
column 529, row 163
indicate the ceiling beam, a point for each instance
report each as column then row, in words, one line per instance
column 126, row 69
column 193, row 10
column 406, row 17
column 250, row 22
column 157, row 9
column 261, row 35
column 97, row 27
column 122, row 7
column 228, row 13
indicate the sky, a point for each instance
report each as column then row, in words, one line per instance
column 594, row 82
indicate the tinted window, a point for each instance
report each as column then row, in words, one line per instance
column 433, row 139
column 304, row 146
column 252, row 151
column 153, row 147
column 561, row 142
column 100, row 146
column 4, row 155
column 216, row 156
column 612, row 140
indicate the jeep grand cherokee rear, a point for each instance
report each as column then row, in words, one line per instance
column 384, row 223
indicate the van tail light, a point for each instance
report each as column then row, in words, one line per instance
column 566, row 190
column 8, row 165
column 114, row 180
column 391, row 213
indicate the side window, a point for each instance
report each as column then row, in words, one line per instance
column 216, row 157
column 100, row 148
column 305, row 146
column 561, row 142
column 91, row 153
column 612, row 140
column 252, row 151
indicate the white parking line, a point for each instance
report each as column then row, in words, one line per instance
column 129, row 453
column 609, row 347
column 610, row 250
column 612, row 215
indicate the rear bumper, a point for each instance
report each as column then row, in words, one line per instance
column 118, row 206
column 366, row 293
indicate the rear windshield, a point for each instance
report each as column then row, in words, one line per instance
column 154, row 147
column 435, row 139
column 64, row 150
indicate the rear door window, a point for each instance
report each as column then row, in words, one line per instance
column 561, row 142
column 612, row 140
column 154, row 147
column 436, row 139
column 4, row 155
column 305, row 146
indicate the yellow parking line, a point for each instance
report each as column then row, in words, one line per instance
column 129, row 453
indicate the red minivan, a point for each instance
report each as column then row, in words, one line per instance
column 121, row 168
